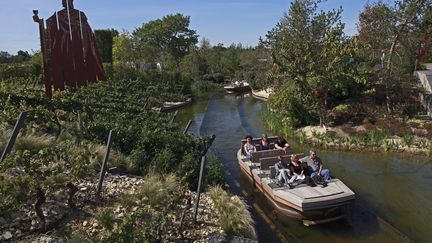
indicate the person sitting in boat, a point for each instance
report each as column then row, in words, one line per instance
column 264, row 143
column 315, row 165
column 282, row 171
column 249, row 147
column 282, row 144
column 296, row 171
column 236, row 83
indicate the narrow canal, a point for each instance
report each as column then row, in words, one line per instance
column 394, row 200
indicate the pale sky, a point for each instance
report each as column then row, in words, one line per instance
column 221, row 21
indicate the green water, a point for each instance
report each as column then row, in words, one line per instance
column 394, row 187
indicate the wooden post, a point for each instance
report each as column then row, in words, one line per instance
column 80, row 126
column 87, row 109
column 104, row 164
column 187, row 127
column 18, row 125
column 174, row 116
column 203, row 158
column 199, row 189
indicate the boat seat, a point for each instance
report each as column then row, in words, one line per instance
column 270, row 161
column 272, row 172
column 272, row 141
column 258, row 147
column 256, row 156
column 252, row 167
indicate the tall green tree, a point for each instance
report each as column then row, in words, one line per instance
column 397, row 31
column 104, row 42
column 170, row 35
column 311, row 57
column 123, row 48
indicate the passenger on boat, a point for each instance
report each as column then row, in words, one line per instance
column 282, row 144
column 264, row 143
column 282, row 171
column 296, row 171
column 315, row 165
column 249, row 147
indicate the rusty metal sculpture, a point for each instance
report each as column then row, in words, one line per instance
column 70, row 56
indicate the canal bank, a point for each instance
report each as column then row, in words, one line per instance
column 391, row 186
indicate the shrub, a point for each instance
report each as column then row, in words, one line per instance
column 203, row 86
column 215, row 172
column 408, row 139
column 189, row 169
column 127, row 200
column 106, row 218
column 19, row 70
column 292, row 107
column 158, row 191
column 33, row 142
column 141, row 226
column 375, row 137
column 234, row 217
column 164, row 161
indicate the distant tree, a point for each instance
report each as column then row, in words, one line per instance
column 375, row 29
column 4, row 57
column 169, row 35
column 123, row 50
column 104, row 42
column 21, row 56
column 255, row 63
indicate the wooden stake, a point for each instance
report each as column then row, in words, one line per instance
column 18, row 125
column 104, row 164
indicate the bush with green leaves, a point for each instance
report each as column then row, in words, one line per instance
column 215, row 175
column 106, row 218
column 142, row 226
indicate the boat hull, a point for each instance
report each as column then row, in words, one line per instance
column 239, row 89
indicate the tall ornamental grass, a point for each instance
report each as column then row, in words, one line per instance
column 234, row 216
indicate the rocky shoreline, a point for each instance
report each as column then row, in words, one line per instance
column 334, row 137
column 65, row 224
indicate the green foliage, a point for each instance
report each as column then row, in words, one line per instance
column 190, row 168
column 104, row 43
column 408, row 139
column 127, row 200
column 215, row 172
column 169, row 35
column 202, row 87
column 164, row 161
column 141, row 226
column 123, row 48
column 106, row 218
column 20, row 70
column 234, row 217
column 158, row 191
column 314, row 63
column 376, row 137
column 80, row 237
column 20, row 57
column 291, row 108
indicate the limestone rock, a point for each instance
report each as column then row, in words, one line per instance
column 7, row 235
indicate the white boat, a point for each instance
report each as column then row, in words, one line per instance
column 238, row 87
column 312, row 205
